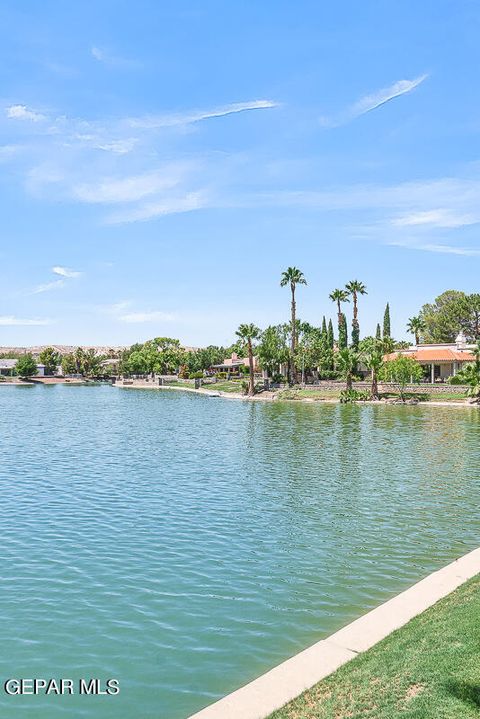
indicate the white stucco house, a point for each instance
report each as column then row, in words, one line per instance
column 440, row 361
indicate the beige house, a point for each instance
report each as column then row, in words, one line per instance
column 232, row 364
column 440, row 361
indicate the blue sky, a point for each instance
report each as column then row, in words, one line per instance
column 162, row 163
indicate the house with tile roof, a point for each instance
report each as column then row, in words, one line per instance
column 440, row 361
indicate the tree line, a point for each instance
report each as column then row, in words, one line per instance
column 300, row 347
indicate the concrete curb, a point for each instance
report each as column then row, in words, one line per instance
column 283, row 683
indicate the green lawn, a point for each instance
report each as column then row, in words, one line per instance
column 428, row 669
column 179, row 383
column 225, row 386
column 317, row 394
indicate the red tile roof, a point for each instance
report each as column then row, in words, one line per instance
column 434, row 355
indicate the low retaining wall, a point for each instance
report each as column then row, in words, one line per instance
column 286, row 681
column 390, row 387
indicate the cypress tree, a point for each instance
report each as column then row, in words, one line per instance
column 378, row 333
column 343, row 333
column 324, row 327
column 386, row 322
column 330, row 336
column 355, row 334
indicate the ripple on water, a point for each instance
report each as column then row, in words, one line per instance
column 184, row 545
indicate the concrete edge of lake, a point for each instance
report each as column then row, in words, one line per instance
column 270, row 397
column 275, row 688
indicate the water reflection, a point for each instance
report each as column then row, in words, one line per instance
column 203, row 541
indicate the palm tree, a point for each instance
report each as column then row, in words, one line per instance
column 355, row 288
column 339, row 296
column 416, row 326
column 249, row 333
column 293, row 277
column 373, row 360
column 347, row 360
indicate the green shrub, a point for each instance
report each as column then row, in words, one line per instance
column 456, row 379
column 195, row 375
column 221, row 375
column 328, row 374
column 353, row 395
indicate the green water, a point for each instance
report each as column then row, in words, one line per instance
column 184, row 544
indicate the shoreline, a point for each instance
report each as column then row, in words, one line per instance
column 272, row 397
column 286, row 681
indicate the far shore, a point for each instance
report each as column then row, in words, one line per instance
column 265, row 396
column 274, row 397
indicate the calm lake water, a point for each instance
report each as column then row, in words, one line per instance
column 185, row 544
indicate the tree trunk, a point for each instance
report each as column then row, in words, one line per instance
column 355, row 308
column 417, row 338
column 374, row 390
column 339, row 319
column 251, row 378
column 293, row 373
column 349, row 382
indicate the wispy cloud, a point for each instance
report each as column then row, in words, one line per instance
column 435, row 218
column 123, row 161
column 119, row 312
column 129, row 189
column 187, row 118
column 65, row 271
column 379, row 98
column 191, row 201
column 97, row 53
column 106, row 57
column 11, row 321
column 441, row 249
column 141, row 317
column 47, row 286
column 373, row 101
column 22, row 112
column 119, row 147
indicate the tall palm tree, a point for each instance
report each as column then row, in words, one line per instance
column 355, row 288
column 293, row 277
column 416, row 326
column 340, row 296
column 248, row 334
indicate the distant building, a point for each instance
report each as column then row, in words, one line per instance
column 440, row 361
column 232, row 364
column 7, row 368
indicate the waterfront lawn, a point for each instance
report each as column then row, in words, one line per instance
column 307, row 393
column 225, row 386
column 428, row 669
column 189, row 383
